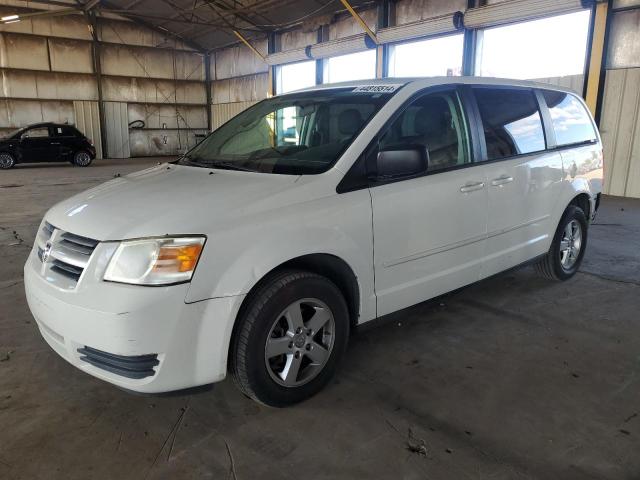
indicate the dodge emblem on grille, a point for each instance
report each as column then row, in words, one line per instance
column 46, row 252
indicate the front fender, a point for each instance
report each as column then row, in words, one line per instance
column 236, row 258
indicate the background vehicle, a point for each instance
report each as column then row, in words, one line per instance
column 46, row 142
column 452, row 179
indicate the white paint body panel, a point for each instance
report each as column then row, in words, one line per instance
column 520, row 226
column 405, row 242
column 429, row 237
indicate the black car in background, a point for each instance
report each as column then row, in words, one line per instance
column 46, row 142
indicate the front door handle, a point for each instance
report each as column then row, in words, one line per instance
column 471, row 186
column 496, row 182
column 55, row 143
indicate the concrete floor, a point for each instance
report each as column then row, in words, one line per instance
column 514, row 377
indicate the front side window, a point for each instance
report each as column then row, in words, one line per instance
column 36, row 133
column 571, row 122
column 433, row 121
column 296, row 134
column 511, row 121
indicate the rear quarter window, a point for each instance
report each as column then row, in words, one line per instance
column 569, row 118
column 66, row 132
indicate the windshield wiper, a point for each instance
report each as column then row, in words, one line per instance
column 206, row 163
column 229, row 166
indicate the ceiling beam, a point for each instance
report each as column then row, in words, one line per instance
column 190, row 43
column 176, row 20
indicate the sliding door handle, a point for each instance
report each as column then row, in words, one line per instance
column 471, row 186
column 496, row 182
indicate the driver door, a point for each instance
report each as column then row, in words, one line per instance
column 429, row 230
column 35, row 145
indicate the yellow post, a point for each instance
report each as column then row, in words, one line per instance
column 595, row 59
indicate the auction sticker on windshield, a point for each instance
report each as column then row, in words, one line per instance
column 377, row 88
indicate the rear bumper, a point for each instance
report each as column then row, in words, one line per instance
column 163, row 343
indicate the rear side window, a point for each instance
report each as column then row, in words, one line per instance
column 571, row 122
column 65, row 132
column 511, row 121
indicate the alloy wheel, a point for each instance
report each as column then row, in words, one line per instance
column 6, row 160
column 299, row 343
column 570, row 244
column 83, row 159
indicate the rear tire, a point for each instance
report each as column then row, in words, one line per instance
column 82, row 158
column 6, row 161
column 289, row 338
column 564, row 257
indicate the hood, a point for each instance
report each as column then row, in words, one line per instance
column 169, row 200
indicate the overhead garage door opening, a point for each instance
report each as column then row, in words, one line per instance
column 550, row 47
column 295, row 76
column 434, row 57
column 354, row 66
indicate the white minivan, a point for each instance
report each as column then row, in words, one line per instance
column 261, row 249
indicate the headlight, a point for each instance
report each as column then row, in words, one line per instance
column 155, row 261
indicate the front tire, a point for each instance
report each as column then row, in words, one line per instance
column 82, row 158
column 6, row 161
column 564, row 257
column 289, row 338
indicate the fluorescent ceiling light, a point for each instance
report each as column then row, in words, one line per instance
column 8, row 18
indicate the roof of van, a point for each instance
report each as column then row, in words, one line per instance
column 432, row 81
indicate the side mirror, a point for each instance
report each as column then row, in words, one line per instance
column 402, row 161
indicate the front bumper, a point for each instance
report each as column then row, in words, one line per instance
column 189, row 341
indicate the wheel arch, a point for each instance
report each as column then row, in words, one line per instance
column 583, row 201
column 330, row 266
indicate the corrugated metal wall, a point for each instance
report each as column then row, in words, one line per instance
column 47, row 74
column 619, row 122
column 87, row 118
column 620, row 130
column 573, row 82
column 223, row 112
column 117, row 129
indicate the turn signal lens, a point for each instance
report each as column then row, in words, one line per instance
column 155, row 261
column 173, row 258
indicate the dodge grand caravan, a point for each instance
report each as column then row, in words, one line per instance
column 260, row 250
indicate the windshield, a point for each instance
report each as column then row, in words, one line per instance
column 11, row 133
column 295, row 134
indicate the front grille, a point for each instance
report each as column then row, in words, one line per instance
column 48, row 229
column 136, row 367
column 66, row 269
column 68, row 253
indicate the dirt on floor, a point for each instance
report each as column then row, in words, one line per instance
column 514, row 377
